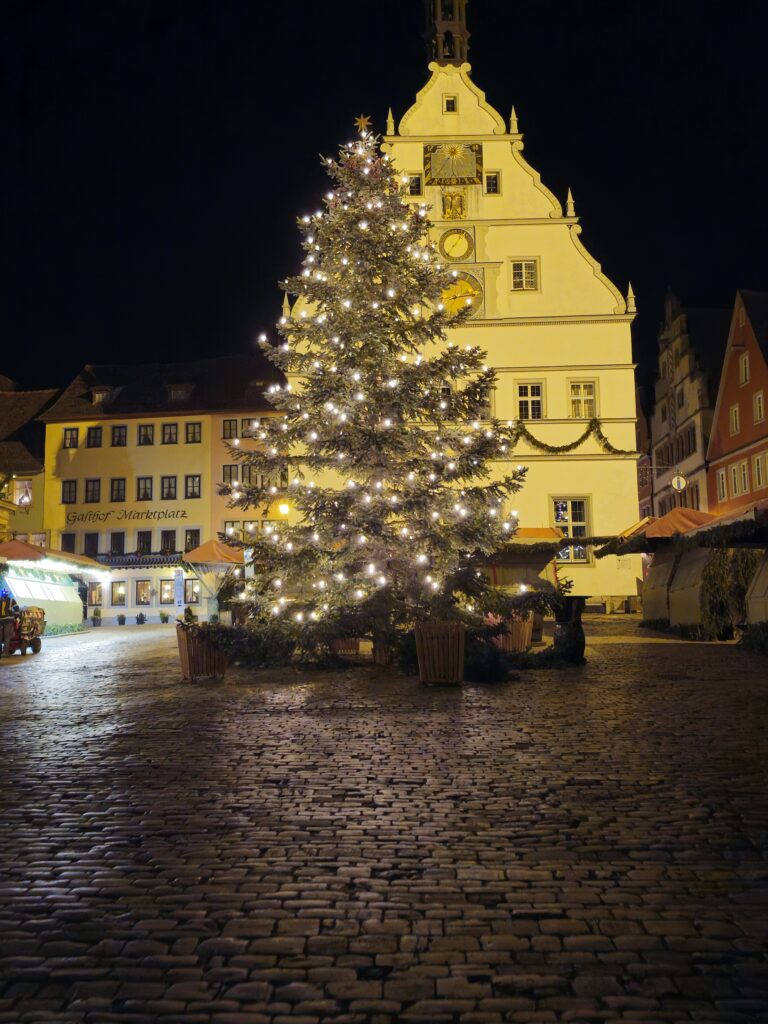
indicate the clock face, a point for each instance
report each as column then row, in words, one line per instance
column 465, row 291
column 453, row 163
column 457, row 244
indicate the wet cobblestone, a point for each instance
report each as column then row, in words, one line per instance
column 588, row 845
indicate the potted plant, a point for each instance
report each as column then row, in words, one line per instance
column 164, row 617
column 518, row 633
column 96, row 617
column 121, row 619
column 346, row 645
column 141, row 618
column 199, row 657
column 189, row 615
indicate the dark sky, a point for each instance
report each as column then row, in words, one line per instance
column 156, row 153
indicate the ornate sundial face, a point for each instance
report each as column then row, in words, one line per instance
column 465, row 291
column 453, row 163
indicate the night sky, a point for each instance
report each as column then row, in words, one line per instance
column 157, row 152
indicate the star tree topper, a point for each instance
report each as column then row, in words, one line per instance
column 362, row 122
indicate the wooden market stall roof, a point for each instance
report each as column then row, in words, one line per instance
column 22, row 551
column 214, row 552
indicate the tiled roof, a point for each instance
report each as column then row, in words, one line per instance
column 756, row 305
column 15, row 458
column 205, row 385
column 17, row 408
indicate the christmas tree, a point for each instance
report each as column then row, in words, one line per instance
column 381, row 443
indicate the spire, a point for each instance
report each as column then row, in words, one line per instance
column 631, row 307
column 513, row 129
column 570, row 209
column 446, row 32
column 390, row 122
column 286, row 305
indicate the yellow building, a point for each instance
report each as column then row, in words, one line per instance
column 134, row 456
column 22, row 478
column 556, row 330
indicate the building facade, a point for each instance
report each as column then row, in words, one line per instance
column 691, row 348
column 555, row 329
column 22, row 478
column 134, row 459
column 738, row 447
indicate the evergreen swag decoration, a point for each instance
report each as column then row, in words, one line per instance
column 381, row 436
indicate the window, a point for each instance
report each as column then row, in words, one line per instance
column 192, row 486
column 583, row 400
column 694, row 499
column 415, row 185
column 22, row 493
column 68, row 543
column 68, row 492
column 91, row 545
column 40, row 540
column 664, row 413
column 170, row 433
column 143, row 595
column 758, row 407
column 93, row 490
column 757, row 472
column 95, row 594
column 570, row 516
column 680, row 398
column 117, row 488
column 143, row 542
column 193, row 433
column 119, row 436
column 191, row 592
column 167, row 591
column 450, row 104
column 117, row 596
column 231, row 526
column 493, row 183
column 229, row 429
column 71, row 435
column 143, row 488
column 744, row 474
column 117, row 542
column 146, row 434
column 690, row 435
column 167, row 541
column 485, row 411
column 734, row 419
column 529, row 401
column 525, row 277
column 744, row 368
column 191, row 539
column 245, row 476
column 734, row 481
column 93, row 437
column 230, row 473
column 246, row 426
column 168, row 488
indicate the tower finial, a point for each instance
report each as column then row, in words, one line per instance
column 446, row 33
column 390, row 122
column 570, row 209
column 286, row 305
column 631, row 305
column 513, row 130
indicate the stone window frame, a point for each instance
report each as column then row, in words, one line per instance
column 586, row 523
column 523, row 261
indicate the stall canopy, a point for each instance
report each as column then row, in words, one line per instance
column 21, row 551
column 643, row 535
column 214, row 553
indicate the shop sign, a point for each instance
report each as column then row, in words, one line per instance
column 178, row 587
column 119, row 515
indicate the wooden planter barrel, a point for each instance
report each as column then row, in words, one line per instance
column 517, row 636
column 440, row 651
column 199, row 658
column 349, row 645
column 381, row 653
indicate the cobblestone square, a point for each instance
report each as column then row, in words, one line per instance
column 585, row 845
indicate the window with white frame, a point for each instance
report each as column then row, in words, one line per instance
column 571, row 515
column 733, row 419
column 744, row 475
column 530, row 401
column 492, row 183
column 758, row 407
column 415, row 186
column 758, row 475
column 450, row 104
column 734, row 481
column 722, row 486
column 744, row 368
column 525, row 275
column 583, row 405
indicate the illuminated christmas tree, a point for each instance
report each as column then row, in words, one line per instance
column 382, row 444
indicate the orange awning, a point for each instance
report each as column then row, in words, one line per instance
column 213, row 552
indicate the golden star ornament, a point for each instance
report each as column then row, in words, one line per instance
column 362, row 123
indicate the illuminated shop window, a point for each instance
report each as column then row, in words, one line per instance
column 570, row 516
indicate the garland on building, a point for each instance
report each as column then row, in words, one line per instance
column 593, row 429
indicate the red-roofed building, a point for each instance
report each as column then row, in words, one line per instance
column 738, row 446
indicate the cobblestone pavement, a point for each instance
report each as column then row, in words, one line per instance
column 587, row 845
